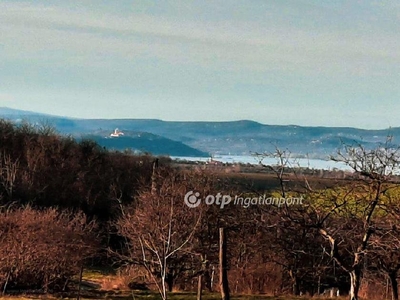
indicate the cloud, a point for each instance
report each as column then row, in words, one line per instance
column 274, row 52
column 233, row 45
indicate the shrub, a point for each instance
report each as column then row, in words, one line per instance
column 43, row 249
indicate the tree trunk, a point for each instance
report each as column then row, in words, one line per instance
column 207, row 280
column 5, row 284
column 80, row 283
column 295, row 283
column 223, row 273
column 205, row 266
column 354, row 284
column 212, row 279
column 393, row 282
column 199, row 287
column 154, row 177
column 319, row 285
column 296, row 287
column 164, row 294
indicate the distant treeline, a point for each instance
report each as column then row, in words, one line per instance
column 43, row 169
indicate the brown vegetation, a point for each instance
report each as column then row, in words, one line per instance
column 43, row 250
column 67, row 204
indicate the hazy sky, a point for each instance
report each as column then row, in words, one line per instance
column 305, row 62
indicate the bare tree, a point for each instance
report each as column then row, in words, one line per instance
column 385, row 248
column 159, row 230
column 345, row 216
column 360, row 204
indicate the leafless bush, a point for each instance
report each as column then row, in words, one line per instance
column 43, row 249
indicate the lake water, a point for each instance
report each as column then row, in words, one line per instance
column 248, row 159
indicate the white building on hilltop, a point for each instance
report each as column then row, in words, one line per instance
column 116, row 133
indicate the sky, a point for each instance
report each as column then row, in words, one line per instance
column 302, row 62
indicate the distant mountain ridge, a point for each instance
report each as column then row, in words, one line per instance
column 235, row 137
column 144, row 142
column 5, row 111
